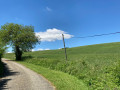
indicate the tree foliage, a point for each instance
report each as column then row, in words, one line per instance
column 2, row 49
column 21, row 37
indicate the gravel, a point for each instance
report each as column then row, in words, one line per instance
column 18, row 77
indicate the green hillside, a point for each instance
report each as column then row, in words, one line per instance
column 96, row 65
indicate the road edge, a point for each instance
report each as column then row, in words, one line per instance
column 34, row 72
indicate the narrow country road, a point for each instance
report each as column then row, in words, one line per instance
column 18, row 77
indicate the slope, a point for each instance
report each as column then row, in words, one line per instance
column 93, row 64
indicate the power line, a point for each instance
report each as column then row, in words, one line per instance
column 97, row 35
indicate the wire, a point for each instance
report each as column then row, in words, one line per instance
column 97, row 35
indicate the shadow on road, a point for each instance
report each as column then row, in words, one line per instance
column 4, row 80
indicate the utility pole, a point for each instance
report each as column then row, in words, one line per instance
column 64, row 47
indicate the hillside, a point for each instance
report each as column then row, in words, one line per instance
column 96, row 65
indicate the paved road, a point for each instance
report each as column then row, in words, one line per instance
column 18, row 77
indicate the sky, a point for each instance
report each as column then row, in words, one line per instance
column 73, row 18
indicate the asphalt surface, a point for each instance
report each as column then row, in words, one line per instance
column 18, row 77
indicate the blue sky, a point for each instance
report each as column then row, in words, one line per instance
column 71, row 17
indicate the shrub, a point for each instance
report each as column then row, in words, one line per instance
column 2, row 50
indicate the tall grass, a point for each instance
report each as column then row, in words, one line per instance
column 62, row 81
column 96, row 65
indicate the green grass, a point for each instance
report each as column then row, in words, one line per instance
column 96, row 65
column 61, row 80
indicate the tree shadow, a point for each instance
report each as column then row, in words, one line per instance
column 4, row 80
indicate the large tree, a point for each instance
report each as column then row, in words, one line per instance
column 2, row 49
column 21, row 37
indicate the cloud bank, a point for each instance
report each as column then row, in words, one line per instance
column 53, row 35
column 40, row 49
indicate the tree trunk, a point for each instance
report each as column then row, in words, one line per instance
column 0, row 57
column 18, row 53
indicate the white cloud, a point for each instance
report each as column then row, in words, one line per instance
column 47, row 49
column 9, row 52
column 48, row 9
column 40, row 49
column 53, row 35
column 33, row 50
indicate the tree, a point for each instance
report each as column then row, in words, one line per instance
column 21, row 37
column 2, row 49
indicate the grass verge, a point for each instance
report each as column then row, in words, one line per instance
column 62, row 81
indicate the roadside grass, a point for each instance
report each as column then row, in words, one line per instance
column 61, row 80
column 95, row 65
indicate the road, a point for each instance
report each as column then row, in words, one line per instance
column 18, row 77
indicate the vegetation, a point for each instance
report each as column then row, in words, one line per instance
column 2, row 50
column 98, row 66
column 61, row 80
column 22, row 38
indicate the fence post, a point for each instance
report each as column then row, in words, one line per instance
column 64, row 47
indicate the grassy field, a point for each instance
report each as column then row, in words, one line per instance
column 96, row 65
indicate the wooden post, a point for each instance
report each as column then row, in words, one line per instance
column 64, row 47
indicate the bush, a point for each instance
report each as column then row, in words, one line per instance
column 110, row 80
column 1, row 52
column 1, row 64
